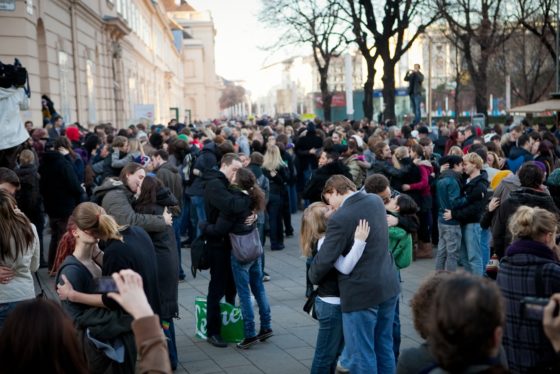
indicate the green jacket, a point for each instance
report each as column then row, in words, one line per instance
column 400, row 246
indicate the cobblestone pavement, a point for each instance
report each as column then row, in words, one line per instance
column 291, row 348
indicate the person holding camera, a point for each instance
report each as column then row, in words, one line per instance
column 415, row 79
column 13, row 98
column 529, row 270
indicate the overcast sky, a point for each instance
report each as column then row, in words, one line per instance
column 239, row 36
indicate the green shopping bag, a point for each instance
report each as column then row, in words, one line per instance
column 232, row 321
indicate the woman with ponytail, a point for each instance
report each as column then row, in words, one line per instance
column 19, row 256
column 91, row 308
column 248, row 276
column 124, row 248
column 530, row 269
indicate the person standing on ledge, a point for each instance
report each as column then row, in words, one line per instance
column 415, row 79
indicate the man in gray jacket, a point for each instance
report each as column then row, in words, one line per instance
column 368, row 294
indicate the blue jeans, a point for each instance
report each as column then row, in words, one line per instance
column 449, row 244
column 245, row 276
column 485, row 236
column 177, row 232
column 5, row 309
column 307, row 173
column 169, row 332
column 197, row 203
column 292, row 192
column 470, row 254
column 397, row 328
column 415, row 101
column 368, row 335
column 330, row 339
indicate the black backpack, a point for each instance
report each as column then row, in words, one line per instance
column 199, row 255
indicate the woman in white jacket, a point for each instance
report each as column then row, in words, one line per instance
column 19, row 256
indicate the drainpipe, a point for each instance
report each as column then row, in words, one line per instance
column 76, row 60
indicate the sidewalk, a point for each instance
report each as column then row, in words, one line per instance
column 291, row 348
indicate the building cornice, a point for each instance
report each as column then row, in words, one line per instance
column 83, row 8
column 117, row 27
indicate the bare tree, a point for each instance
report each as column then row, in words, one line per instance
column 539, row 17
column 388, row 23
column 354, row 16
column 231, row 95
column 528, row 64
column 479, row 30
column 308, row 22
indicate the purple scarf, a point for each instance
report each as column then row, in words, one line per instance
column 531, row 247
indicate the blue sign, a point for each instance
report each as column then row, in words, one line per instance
column 398, row 92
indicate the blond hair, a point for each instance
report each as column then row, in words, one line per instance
column 313, row 227
column 272, row 158
column 92, row 218
column 133, row 145
column 400, row 153
column 474, row 159
column 455, row 151
column 528, row 222
column 26, row 157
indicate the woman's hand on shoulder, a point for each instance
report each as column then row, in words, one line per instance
column 362, row 230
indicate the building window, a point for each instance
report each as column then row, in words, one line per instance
column 64, row 74
column 90, row 82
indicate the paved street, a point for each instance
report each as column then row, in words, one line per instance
column 291, row 348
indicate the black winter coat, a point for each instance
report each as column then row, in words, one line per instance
column 233, row 223
column 134, row 252
column 303, row 145
column 59, row 185
column 279, row 181
column 28, row 196
column 409, row 173
column 206, row 161
column 218, row 199
column 166, row 255
column 501, row 236
column 314, row 188
column 476, row 192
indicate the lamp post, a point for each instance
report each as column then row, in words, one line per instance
column 348, row 69
column 557, row 46
column 429, row 93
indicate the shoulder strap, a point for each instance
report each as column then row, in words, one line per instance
column 42, row 293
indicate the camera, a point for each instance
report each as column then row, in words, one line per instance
column 533, row 308
column 104, row 285
column 12, row 75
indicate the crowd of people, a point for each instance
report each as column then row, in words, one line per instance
column 374, row 198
